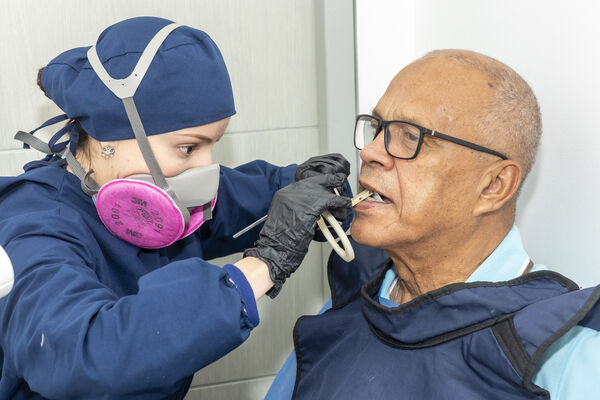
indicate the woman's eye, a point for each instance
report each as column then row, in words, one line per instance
column 187, row 149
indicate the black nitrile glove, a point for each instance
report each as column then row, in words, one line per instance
column 291, row 223
column 322, row 165
column 332, row 163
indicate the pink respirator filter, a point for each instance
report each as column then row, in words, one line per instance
column 143, row 214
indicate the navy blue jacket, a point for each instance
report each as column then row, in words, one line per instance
column 481, row 340
column 91, row 316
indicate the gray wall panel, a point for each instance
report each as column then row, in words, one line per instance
column 279, row 147
column 269, row 47
column 245, row 390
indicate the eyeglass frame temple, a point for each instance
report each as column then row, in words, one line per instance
column 466, row 144
column 382, row 125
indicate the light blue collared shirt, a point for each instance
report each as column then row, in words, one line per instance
column 569, row 368
column 506, row 262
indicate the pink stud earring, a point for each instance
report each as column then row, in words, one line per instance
column 107, row 151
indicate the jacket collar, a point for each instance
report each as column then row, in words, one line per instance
column 456, row 309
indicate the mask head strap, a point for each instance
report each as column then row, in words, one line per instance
column 125, row 89
column 88, row 185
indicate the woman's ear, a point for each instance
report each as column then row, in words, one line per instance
column 499, row 185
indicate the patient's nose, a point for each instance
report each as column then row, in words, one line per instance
column 375, row 153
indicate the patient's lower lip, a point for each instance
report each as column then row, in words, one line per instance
column 368, row 204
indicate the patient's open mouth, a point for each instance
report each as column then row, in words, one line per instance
column 368, row 195
column 377, row 197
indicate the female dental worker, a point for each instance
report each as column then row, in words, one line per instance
column 108, row 234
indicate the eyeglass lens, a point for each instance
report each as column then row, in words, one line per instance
column 402, row 140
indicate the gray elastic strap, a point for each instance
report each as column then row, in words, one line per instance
column 34, row 142
column 207, row 212
column 88, row 185
column 126, row 87
column 143, row 143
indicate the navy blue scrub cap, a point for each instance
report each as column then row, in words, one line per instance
column 187, row 83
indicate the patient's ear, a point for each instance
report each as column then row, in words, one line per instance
column 499, row 184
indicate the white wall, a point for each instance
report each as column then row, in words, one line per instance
column 384, row 44
column 553, row 45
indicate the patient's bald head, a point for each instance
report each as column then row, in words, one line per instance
column 510, row 120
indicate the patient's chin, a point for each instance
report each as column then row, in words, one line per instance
column 374, row 232
column 364, row 233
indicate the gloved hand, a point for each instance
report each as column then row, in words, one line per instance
column 291, row 223
column 322, row 165
column 332, row 163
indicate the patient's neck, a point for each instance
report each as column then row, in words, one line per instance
column 429, row 265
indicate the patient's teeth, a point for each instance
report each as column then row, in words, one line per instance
column 377, row 197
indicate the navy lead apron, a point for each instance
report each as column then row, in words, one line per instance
column 478, row 340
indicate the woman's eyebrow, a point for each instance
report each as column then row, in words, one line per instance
column 198, row 136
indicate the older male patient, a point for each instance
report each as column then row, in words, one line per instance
column 457, row 310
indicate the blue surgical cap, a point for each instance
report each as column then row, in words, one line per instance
column 187, row 83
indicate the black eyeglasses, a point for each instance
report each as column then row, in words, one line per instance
column 403, row 139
